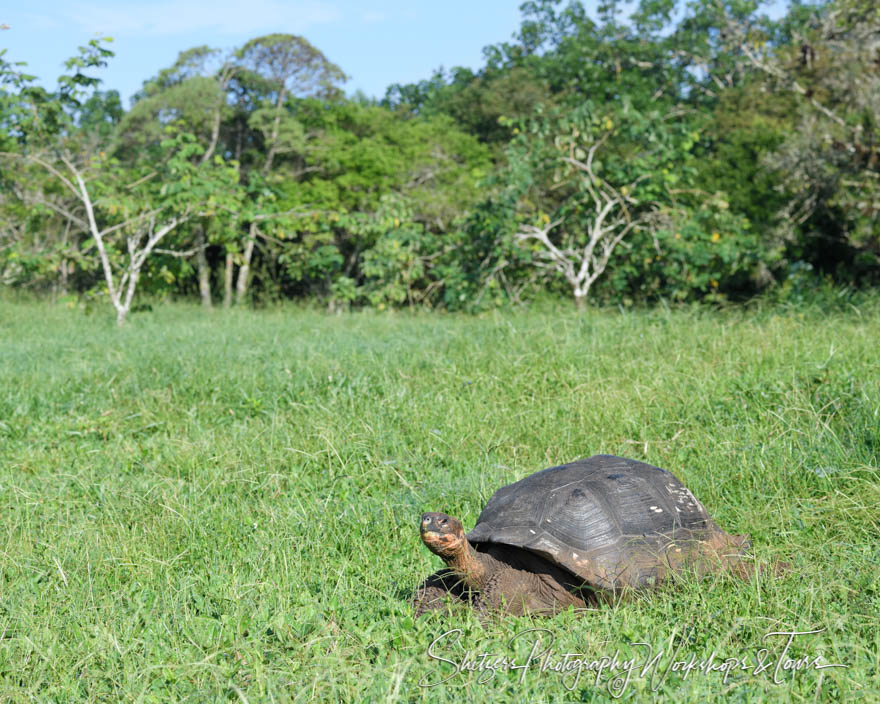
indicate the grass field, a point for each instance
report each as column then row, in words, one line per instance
column 223, row 507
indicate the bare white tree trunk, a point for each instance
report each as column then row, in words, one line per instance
column 245, row 269
column 63, row 272
column 273, row 148
column 143, row 226
column 227, row 280
column 227, row 72
column 138, row 251
column 581, row 266
column 143, row 233
column 611, row 222
column 63, row 269
column 203, row 268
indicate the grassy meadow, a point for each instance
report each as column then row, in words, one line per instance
column 223, row 506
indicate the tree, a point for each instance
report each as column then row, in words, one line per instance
column 586, row 180
column 560, row 56
column 814, row 81
column 593, row 154
column 127, row 210
column 475, row 101
column 383, row 182
column 194, row 92
column 277, row 67
column 831, row 162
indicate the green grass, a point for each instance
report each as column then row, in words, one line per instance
column 223, row 507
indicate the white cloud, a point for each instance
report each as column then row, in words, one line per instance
column 170, row 17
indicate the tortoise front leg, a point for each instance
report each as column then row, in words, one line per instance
column 438, row 590
column 518, row 592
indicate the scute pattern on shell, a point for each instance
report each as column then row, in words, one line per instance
column 611, row 521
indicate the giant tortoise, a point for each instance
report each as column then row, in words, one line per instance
column 573, row 535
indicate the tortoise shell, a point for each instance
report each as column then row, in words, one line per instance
column 612, row 522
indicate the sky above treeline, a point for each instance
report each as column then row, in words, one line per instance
column 375, row 42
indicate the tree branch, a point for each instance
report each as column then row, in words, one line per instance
column 95, row 232
column 46, row 165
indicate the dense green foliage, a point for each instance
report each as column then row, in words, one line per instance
column 225, row 507
column 731, row 152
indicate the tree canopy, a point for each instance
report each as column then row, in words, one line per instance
column 682, row 151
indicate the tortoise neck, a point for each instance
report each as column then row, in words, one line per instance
column 467, row 563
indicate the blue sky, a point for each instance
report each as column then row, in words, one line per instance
column 376, row 42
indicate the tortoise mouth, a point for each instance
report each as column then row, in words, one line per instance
column 442, row 544
column 433, row 537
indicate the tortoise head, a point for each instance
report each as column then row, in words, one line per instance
column 443, row 535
